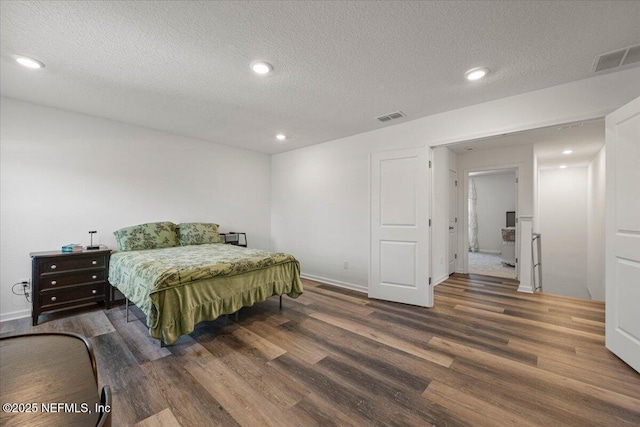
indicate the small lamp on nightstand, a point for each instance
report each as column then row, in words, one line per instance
column 91, row 246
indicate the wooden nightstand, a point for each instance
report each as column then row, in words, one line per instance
column 63, row 280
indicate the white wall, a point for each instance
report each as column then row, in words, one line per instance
column 536, row 200
column 596, row 226
column 581, row 100
column 496, row 194
column 320, row 194
column 320, row 205
column 563, row 226
column 63, row 174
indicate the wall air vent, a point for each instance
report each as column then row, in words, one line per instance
column 619, row 58
column 391, row 116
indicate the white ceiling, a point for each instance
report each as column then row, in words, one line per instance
column 585, row 139
column 183, row 66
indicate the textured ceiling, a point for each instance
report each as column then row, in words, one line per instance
column 183, row 66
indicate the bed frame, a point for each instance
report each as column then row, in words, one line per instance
column 226, row 316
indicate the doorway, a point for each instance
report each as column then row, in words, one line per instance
column 453, row 220
column 555, row 148
column 492, row 196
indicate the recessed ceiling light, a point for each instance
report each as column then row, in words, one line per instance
column 476, row 73
column 563, row 166
column 281, row 137
column 567, row 152
column 261, row 67
column 28, row 62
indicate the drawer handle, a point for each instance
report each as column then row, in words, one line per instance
column 53, row 298
column 53, row 267
column 94, row 277
column 53, row 282
column 94, row 262
column 94, row 292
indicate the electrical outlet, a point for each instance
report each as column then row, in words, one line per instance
column 26, row 288
column 346, row 265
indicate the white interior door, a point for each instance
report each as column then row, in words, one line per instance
column 622, row 273
column 400, row 194
column 453, row 220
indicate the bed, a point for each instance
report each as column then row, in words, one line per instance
column 187, row 281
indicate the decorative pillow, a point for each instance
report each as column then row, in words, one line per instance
column 153, row 235
column 199, row 233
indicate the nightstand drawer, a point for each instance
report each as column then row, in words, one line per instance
column 71, row 263
column 71, row 293
column 52, row 281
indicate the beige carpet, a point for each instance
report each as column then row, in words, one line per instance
column 489, row 265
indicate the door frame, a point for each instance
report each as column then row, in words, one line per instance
column 463, row 210
column 453, row 195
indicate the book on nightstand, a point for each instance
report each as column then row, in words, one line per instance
column 72, row 247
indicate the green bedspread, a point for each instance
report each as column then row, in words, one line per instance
column 181, row 286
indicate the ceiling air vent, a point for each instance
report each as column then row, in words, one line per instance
column 391, row 116
column 619, row 58
column 633, row 55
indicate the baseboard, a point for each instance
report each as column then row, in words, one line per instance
column 525, row 289
column 13, row 315
column 339, row 283
column 440, row 280
column 489, row 251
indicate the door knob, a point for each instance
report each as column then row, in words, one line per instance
column 450, row 228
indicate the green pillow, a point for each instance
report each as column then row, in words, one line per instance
column 198, row 233
column 153, row 235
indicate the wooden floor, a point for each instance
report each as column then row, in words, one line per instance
column 484, row 355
